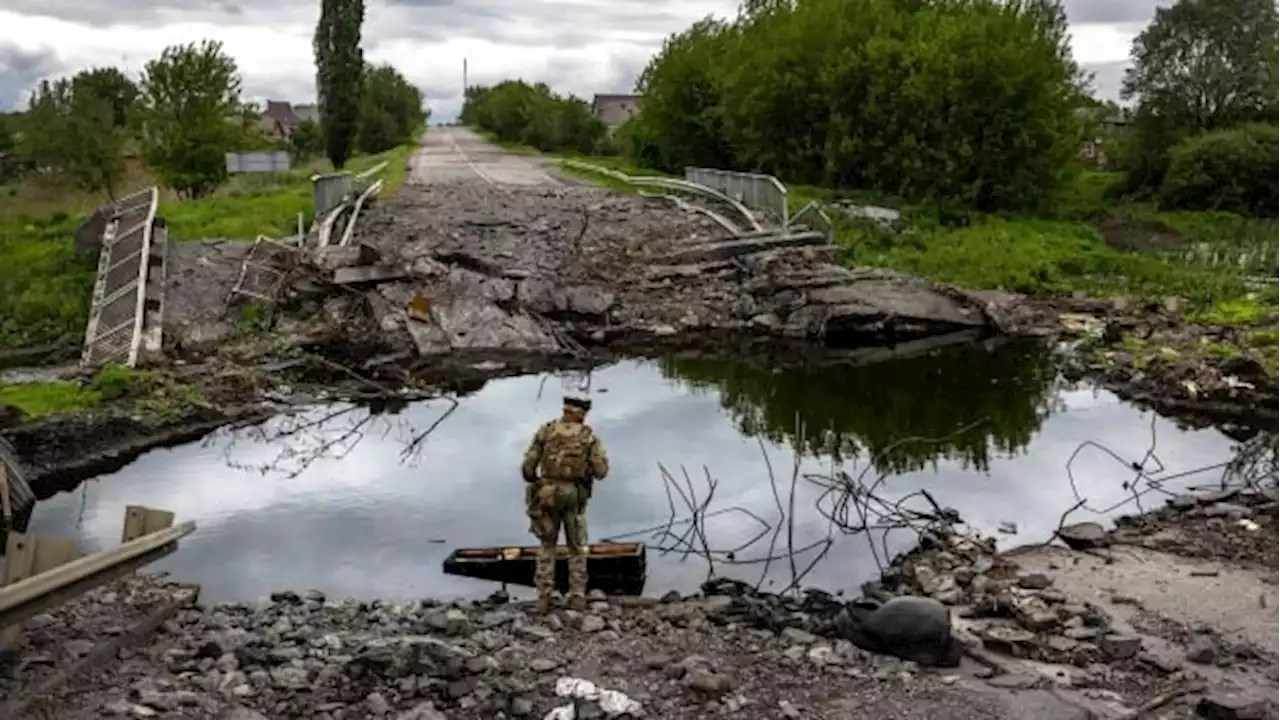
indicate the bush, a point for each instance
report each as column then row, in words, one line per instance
column 1230, row 170
column 517, row 112
column 967, row 103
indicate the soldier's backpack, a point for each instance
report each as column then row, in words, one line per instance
column 564, row 451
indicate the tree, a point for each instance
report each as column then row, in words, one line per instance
column 306, row 141
column 516, row 111
column 70, row 127
column 391, row 109
column 1201, row 65
column 189, row 113
column 967, row 103
column 114, row 88
column 339, row 75
column 8, row 131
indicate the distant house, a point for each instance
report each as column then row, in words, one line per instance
column 279, row 119
column 614, row 109
column 307, row 112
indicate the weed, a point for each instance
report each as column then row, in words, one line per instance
column 42, row 399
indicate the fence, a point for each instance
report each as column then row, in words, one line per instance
column 760, row 192
column 114, row 331
column 262, row 161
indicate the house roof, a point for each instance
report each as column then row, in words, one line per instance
column 282, row 112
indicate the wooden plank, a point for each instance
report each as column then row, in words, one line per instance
column 156, row 520
column 135, row 523
column 52, row 551
column 20, row 559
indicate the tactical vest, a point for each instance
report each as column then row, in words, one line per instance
column 565, row 451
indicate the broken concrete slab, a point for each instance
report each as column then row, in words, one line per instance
column 334, row 257
column 725, row 250
column 370, row 274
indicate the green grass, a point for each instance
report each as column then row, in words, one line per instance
column 42, row 399
column 152, row 393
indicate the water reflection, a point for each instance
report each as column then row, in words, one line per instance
column 959, row 404
column 341, row 507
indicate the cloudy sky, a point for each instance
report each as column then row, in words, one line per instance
column 580, row 46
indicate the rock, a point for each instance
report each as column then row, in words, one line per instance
column 1035, row 581
column 592, row 623
column 788, row 710
column 1014, row 681
column 544, row 664
column 1203, row 651
column 822, row 655
column 1009, row 640
column 517, row 706
column 1227, row 510
column 1231, row 707
column 240, row 712
column 798, row 636
column 705, row 680
column 1083, row 536
column 911, row 628
column 1120, row 647
column 427, row 711
column 377, row 704
column 78, row 648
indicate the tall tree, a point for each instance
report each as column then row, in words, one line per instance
column 1201, row 65
column 339, row 75
column 188, row 116
column 114, row 88
column 70, row 127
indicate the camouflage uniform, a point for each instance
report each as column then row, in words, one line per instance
column 563, row 460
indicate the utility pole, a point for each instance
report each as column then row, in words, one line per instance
column 464, row 76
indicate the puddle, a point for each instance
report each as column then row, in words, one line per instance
column 995, row 431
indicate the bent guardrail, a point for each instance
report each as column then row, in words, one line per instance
column 42, row 572
column 765, row 193
column 678, row 185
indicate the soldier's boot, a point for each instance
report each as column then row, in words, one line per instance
column 577, row 602
column 544, row 605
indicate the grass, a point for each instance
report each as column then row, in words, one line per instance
column 151, row 393
column 45, row 289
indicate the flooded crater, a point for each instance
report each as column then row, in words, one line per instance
column 368, row 504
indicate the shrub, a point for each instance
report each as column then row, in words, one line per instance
column 1231, row 170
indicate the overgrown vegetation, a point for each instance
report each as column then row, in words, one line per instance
column 517, row 112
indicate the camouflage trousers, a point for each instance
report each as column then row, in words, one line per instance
column 557, row 504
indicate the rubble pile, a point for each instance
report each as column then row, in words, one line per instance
column 307, row 656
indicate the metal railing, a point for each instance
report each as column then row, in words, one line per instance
column 814, row 216
column 680, row 186
column 114, row 330
column 760, row 192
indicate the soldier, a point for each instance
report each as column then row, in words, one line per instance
column 560, row 466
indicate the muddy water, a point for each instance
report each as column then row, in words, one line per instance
column 350, row 505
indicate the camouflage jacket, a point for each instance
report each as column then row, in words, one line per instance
column 597, row 460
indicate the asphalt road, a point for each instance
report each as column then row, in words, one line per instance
column 455, row 154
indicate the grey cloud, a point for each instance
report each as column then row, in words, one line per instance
column 1113, row 11
column 21, row 70
column 1107, row 78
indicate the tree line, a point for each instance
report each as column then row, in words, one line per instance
column 515, row 111
column 962, row 102
column 185, row 112
column 1204, row 87
column 975, row 104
